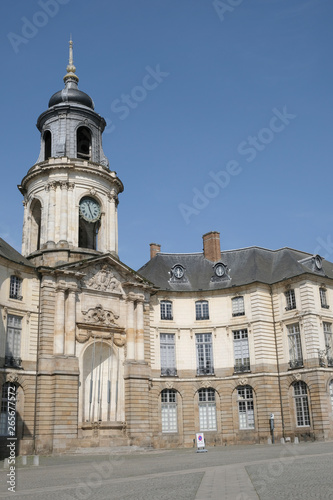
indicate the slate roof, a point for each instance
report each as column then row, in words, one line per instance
column 13, row 255
column 244, row 266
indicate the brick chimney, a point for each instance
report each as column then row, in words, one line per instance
column 211, row 246
column 154, row 249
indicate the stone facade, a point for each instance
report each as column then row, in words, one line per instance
column 101, row 355
column 287, row 347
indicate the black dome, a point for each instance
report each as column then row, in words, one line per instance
column 71, row 95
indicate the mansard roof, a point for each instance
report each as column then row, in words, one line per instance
column 13, row 255
column 243, row 267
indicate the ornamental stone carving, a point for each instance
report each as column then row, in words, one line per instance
column 12, row 377
column 103, row 279
column 100, row 316
column 118, row 339
column 297, row 377
column 243, row 381
column 206, row 384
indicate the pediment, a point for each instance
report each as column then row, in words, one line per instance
column 105, row 273
column 103, row 278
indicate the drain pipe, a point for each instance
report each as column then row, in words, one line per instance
column 277, row 363
column 37, row 363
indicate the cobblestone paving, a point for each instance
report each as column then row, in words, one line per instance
column 301, row 479
column 279, row 472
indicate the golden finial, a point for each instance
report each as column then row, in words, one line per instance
column 71, row 68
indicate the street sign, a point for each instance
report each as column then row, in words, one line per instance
column 200, row 439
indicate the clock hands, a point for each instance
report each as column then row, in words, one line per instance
column 90, row 210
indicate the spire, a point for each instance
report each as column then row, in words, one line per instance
column 71, row 76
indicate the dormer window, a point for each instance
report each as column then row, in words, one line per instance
column 84, row 143
column 178, row 271
column 219, row 270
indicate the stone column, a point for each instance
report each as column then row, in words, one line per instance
column 51, row 212
column 140, row 348
column 63, row 212
column 112, row 224
column 130, row 333
column 70, row 323
column 71, row 214
column 59, row 321
column 25, row 231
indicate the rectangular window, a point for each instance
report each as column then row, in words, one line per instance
column 301, row 403
column 15, row 291
column 169, row 410
column 204, row 354
column 13, row 340
column 201, row 310
column 168, row 357
column 241, row 351
column 328, row 342
column 295, row 346
column 323, row 298
column 238, row 306
column 166, row 309
column 291, row 300
column 207, row 410
column 6, row 409
column 245, row 407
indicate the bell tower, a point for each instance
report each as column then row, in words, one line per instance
column 70, row 194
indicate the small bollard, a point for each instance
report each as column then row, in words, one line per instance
column 24, row 460
column 269, row 441
column 6, row 464
column 35, row 460
column 282, row 441
column 296, row 441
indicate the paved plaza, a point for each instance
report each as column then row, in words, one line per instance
column 265, row 472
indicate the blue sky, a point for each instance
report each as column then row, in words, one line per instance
column 235, row 137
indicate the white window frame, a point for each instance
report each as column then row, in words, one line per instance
column 15, row 287
column 245, row 407
column 323, row 298
column 290, row 299
column 238, row 307
column 5, row 407
column 241, row 350
column 207, row 410
column 169, row 411
column 328, row 334
column 168, row 354
column 166, row 310
column 204, row 350
column 301, row 404
column 295, row 346
column 201, row 310
column 13, row 340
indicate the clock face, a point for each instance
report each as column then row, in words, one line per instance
column 219, row 270
column 178, row 272
column 90, row 209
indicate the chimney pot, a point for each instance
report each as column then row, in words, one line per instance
column 211, row 246
column 154, row 249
